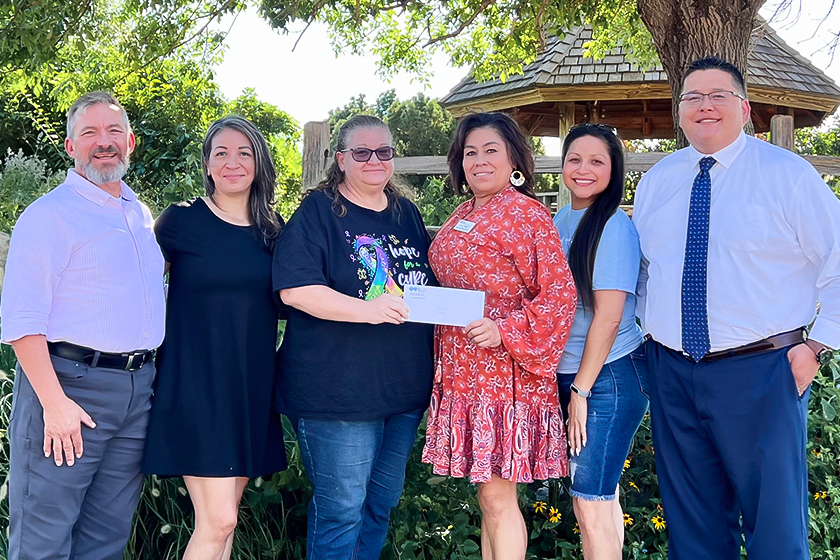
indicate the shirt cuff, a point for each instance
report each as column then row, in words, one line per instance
column 826, row 332
column 12, row 330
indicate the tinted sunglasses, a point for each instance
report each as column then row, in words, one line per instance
column 594, row 125
column 363, row 155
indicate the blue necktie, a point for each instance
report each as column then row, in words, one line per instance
column 695, row 320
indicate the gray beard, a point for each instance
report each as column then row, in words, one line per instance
column 110, row 174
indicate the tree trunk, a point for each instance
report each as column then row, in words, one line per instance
column 685, row 30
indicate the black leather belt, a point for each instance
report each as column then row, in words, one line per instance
column 128, row 361
column 776, row 342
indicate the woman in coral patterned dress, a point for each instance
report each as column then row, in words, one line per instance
column 495, row 415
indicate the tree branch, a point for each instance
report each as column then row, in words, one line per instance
column 484, row 5
column 175, row 46
column 539, row 25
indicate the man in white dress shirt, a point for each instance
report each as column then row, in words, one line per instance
column 741, row 239
column 83, row 308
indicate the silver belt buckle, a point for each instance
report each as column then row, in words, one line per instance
column 130, row 362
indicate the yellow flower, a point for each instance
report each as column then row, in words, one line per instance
column 816, row 452
column 576, row 529
column 627, row 520
column 820, row 496
column 627, row 463
column 539, row 507
column 633, row 484
column 658, row 522
column 554, row 515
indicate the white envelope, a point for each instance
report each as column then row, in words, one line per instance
column 443, row 306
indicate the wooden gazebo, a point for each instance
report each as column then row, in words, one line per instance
column 562, row 88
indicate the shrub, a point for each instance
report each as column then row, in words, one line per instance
column 22, row 180
column 438, row 517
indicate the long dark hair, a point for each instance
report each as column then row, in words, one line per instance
column 394, row 190
column 588, row 235
column 519, row 151
column 264, row 223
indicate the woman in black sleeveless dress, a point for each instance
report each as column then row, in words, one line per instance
column 211, row 420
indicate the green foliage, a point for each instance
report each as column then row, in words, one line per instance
column 823, row 450
column 811, row 141
column 170, row 99
column 438, row 517
column 617, row 22
column 22, row 180
column 34, row 34
column 496, row 39
column 436, row 202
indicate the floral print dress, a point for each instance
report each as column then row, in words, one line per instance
column 496, row 410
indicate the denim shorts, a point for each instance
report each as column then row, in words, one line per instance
column 614, row 411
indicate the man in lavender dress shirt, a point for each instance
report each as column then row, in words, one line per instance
column 83, row 308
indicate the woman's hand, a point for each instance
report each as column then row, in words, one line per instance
column 386, row 308
column 576, row 431
column 484, row 333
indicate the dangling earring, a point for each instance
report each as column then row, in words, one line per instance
column 517, row 179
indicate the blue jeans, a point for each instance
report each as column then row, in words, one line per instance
column 357, row 471
column 613, row 413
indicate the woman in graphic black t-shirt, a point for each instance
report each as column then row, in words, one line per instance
column 354, row 377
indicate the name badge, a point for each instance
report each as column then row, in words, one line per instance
column 464, row 226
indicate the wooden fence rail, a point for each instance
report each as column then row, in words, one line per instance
column 436, row 165
column 316, row 157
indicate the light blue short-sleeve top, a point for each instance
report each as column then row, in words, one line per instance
column 616, row 268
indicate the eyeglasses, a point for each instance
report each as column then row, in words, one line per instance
column 600, row 126
column 363, row 155
column 694, row 99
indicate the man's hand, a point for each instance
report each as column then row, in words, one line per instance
column 803, row 363
column 63, row 431
column 484, row 333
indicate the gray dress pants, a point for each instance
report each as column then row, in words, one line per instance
column 81, row 512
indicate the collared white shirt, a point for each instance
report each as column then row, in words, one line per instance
column 774, row 245
column 84, row 267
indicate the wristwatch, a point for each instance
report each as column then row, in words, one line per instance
column 581, row 392
column 823, row 353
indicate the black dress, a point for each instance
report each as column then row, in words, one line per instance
column 211, row 411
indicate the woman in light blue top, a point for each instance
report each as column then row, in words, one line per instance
column 602, row 372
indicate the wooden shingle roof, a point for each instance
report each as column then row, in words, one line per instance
column 778, row 75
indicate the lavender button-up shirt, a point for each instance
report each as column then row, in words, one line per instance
column 84, row 267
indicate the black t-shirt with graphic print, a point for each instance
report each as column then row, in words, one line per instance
column 352, row 371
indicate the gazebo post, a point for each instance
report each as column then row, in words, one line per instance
column 567, row 121
column 316, row 153
column 781, row 131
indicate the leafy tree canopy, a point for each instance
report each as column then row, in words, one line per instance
column 170, row 97
column 494, row 37
column 33, row 34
